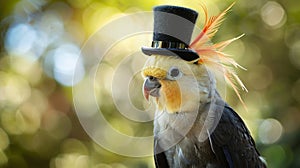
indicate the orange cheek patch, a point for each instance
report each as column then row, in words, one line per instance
column 172, row 95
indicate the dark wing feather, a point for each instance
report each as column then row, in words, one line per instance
column 232, row 142
column 160, row 158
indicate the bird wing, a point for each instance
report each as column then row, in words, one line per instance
column 160, row 158
column 232, row 142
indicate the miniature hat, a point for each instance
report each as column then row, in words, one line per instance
column 173, row 28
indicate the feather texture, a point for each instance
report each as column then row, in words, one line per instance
column 210, row 28
column 212, row 55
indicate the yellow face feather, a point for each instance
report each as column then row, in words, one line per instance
column 175, row 95
column 155, row 72
column 171, row 96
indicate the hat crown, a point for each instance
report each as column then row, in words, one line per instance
column 173, row 28
column 173, row 24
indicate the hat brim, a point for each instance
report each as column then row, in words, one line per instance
column 185, row 54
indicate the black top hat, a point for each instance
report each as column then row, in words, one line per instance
column 173, row 28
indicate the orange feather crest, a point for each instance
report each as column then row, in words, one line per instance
column 212, row 55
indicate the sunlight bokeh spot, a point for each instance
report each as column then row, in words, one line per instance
column 273, row 14
column 74, row 146
column 67, row 61
column 13, row 89
column 73, row 160
column 270, row 130
column 20, row 39
column 52, row 25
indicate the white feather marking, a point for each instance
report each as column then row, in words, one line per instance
column 263, row 160
column 211, row 145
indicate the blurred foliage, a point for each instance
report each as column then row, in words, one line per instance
column 39, row 126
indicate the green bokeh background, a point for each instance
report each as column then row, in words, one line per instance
column 38, row 123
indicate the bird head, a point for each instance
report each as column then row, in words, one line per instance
column 182, row 86
column 176, row 85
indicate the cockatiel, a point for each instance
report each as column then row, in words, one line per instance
column 193, row 126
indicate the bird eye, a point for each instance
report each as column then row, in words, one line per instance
column 174, row 73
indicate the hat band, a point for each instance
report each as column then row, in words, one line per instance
column 168, row 44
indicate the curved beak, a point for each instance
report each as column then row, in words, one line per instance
column 151, row 87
